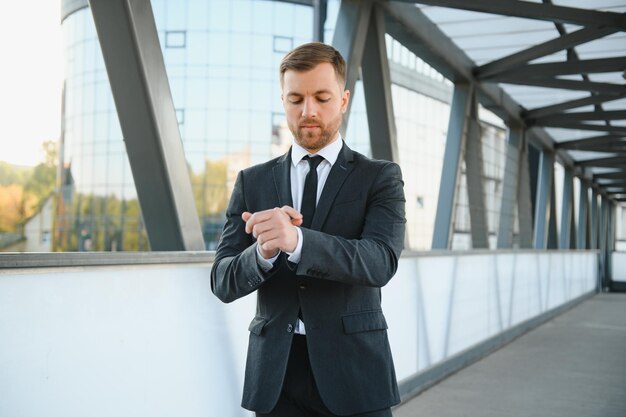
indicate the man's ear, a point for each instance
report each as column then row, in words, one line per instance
column 345, row 99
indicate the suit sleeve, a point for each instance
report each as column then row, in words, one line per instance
column 235, row 271
column 372, row 259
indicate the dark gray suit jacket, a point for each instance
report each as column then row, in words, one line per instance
column 350, row 251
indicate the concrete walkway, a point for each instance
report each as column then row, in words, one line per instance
column 574, row 365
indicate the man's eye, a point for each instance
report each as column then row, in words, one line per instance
column 323, row 100
column 296, row 101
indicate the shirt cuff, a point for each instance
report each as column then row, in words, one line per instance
column 295, row 256
column 265, row 264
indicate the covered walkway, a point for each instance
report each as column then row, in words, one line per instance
column 574, row 365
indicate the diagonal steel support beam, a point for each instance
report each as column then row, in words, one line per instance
column 377, row 90
column 572, row 104
column 450, row 172
column 547, row 48
column 474, row 177
column 538, row 11
column 136, row 70
column 349, row 39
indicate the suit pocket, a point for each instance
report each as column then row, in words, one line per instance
column 257, row 324
column 364, row 322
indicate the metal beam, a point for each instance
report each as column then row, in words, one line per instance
column 455, row 142
column 524, row 199
column 602, row 241
column 595, row 140
column 538, row 11
column 546, row 48
column 349, row 39
column 583, row 126
column 553, row 69
column 610, row 175
column 566, row 84
column 571, row 104
column 510, row 186
column 593, row 213
column 544, row 197
column 408, row 25
column 584, row 116
column 474, row 177
column 617, row 162
column 320, row 8
column 566, row 238
column 583, row 216
column 377, row 90
column 136, row 70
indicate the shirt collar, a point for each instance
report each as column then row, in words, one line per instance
column 329, row 152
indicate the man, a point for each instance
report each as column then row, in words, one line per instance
column 316, row 233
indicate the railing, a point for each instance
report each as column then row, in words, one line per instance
column 141, row 334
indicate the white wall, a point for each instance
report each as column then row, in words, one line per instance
column 618, row 264
column 153, row 341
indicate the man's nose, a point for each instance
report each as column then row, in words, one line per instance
column 310, row 108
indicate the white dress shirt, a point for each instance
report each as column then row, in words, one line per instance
column 299, row 171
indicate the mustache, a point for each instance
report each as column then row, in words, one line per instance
column 308, row 122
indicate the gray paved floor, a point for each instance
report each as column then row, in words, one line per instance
column 574, row 365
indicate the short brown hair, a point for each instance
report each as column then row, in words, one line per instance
column 308, row 56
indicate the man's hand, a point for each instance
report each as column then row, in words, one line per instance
column 274, row 229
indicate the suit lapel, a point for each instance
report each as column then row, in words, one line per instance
column 282, row 179
column 338, row 174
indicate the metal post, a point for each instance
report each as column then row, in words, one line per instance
column 455, row 141
column 583, row 214
column 319, row 19
column 544, row 197
column 377, row 90
column 567, row 211
column 510, row 187
column 349, row 39
column 593, row 229
column 474, row 176
column 524, row 199
column 136, row 70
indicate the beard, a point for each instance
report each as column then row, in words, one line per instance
column 315, row 139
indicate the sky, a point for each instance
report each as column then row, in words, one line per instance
column 31, row 79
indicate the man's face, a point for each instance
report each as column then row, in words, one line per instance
column 314, row 102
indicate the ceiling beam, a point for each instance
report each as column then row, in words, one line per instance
column 547, row 48
column 538, row 11
column 596, row 140
column 566, row 84
column 583, row 116
column 582, row 126
column 552, row 69
column 614, row 161
column 611, row 175
column 571, row 104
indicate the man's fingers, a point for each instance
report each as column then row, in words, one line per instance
column 246, row 215
column 291, row 212
column 258, row 217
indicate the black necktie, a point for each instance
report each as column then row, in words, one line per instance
column 309, row 195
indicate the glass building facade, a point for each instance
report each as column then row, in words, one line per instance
column 222, row 61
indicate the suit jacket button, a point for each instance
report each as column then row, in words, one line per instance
column 289, row 328
column 302, row 286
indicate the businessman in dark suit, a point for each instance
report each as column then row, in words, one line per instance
column 316, row 233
